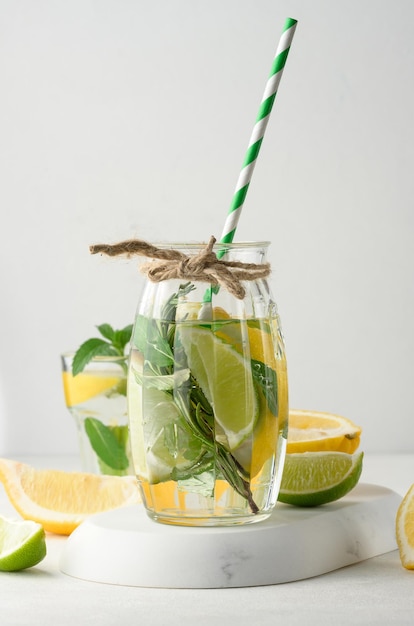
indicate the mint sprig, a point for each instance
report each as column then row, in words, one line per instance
column 109, row 444
column 112, row 343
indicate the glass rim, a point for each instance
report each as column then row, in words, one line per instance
column 194, row 245
column 69, row 354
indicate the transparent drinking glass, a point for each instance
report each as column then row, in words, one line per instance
column 96, row 398
column 208, row 397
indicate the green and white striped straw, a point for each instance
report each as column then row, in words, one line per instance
column 258, row 131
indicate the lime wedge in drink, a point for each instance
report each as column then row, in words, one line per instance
column 226, row 380
column 166, row 437
column 22, row 544
column 314, row 478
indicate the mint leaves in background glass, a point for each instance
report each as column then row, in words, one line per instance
column 108, row 442
column 112, row 343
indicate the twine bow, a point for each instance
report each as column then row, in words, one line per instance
column 204, row 266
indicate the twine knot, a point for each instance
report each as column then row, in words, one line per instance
column 204, row 266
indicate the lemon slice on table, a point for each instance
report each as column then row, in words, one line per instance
column 59, row 500
column 317, row 431
column 314, row 478
column 226, row 380
column 405, row 529
column 22, row 544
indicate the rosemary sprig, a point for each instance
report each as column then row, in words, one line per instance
column 200, row 420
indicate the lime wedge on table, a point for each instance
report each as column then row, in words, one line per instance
column 226, row 380
column 314, row 478
column 22, row 544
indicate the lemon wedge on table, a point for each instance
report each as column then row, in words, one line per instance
column 59, row 500
column 318, row 431
column 405, row 529
column 22, row 544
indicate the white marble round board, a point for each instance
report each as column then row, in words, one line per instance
column 125, row 547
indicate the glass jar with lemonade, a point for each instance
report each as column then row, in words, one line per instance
column 208, row 398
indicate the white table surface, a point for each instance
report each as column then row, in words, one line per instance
column 375, row 591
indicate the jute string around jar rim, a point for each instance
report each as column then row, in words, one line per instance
column 203, row 266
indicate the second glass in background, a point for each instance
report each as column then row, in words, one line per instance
column 96, row 398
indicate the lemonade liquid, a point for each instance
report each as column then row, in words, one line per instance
column 208, row 409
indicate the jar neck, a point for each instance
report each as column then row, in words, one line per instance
column 245, row 251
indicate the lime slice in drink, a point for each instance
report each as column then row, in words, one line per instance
column 226, row 380
column 314, row 478
column 166, row 437
column 22, row 544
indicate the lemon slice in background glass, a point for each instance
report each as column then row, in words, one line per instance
column 22, row 544
column 80, row 388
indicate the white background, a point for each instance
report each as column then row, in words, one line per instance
column 130, row 118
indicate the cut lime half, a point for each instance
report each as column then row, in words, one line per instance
column 314, row 478
column 22, row 544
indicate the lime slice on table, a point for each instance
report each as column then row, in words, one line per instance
column 314, row 478
column 22, row 544
column 226, row 380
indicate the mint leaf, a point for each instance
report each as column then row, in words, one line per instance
column 201, row 483
column 106, row 331
column 113, row 344
column 88, row 350
column 121, row 337
column 106, row 445
column 150, row 339
column 266, row 378
column 163, row 383
column 140, row 333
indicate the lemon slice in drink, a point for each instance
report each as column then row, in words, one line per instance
column 78, row 389
column 225, row 378
column 314, row 478
column 22, row 544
